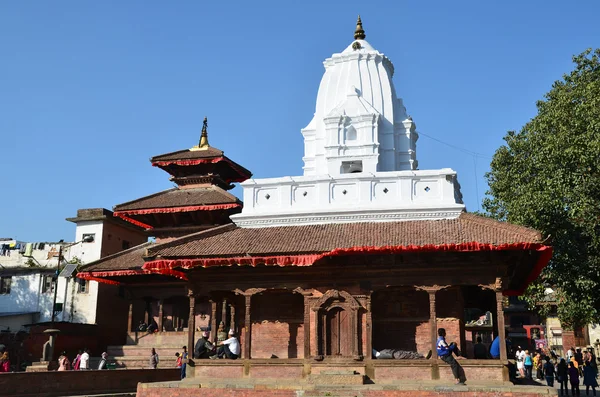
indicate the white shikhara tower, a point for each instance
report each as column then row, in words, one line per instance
column 360, row 125
column 360, row 160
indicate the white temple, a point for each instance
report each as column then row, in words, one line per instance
column 360, row 160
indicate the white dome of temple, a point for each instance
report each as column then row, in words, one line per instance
column 360, row 160
column 360, row 125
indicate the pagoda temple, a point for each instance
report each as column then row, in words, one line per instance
column 203, row 175
column 363, row 251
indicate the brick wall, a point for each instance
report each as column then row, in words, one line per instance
column 49, row 384
column 262, row 391
column 277, row 329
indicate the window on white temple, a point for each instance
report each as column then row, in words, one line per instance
column 350, row 133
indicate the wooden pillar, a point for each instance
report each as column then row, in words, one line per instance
column 369, row 321
column 147, row 311
column 248, row 325
column 354, row 334
column 248, row 318
column 306, row 326
column 191, row 321
column 433, row 323
column 232, row 319
column 160, row 315
column 213, row 320
column 130, row 317
column 501, row 328
column 224, row 315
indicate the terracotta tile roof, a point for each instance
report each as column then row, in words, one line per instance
column 187, row 154
column 209, row 195
column 232, row 241
column 130, row 259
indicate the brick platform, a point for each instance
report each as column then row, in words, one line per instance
column 68, row 383
column 245, row 388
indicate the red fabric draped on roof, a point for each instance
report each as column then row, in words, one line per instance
column 131, row 220
column 164, row 265
column 243, row 174
column 99, row 276
column 177, row 209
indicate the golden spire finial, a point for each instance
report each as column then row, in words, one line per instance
column 359, row 33
column 203, row 144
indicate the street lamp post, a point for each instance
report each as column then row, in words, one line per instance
column 86, row 239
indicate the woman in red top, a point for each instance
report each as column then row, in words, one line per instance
column 4, row 361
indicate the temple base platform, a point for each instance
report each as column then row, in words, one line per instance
column 344, row 378
column 289, row 388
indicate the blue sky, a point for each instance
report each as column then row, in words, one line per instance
column 90, row 90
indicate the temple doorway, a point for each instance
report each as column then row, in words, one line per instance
column 337, row 335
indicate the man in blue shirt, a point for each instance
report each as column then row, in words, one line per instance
column 495, row 348
column 445, row 351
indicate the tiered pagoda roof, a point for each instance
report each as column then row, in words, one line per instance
column 203, row 175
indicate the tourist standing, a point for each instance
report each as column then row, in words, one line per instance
column 574, row 378
column 579, row 358
column 528, row 364
column 445, row 351
column 495, row 348
column 153, row 359
column 519, row 356
column 562, row 374
column 77, row 361
column 103, row 361
column 184, row 357
column 589, row 379
column 178, row 362
column 4, row 359
column 549, row 372
column 84, row 360
column 63, row 362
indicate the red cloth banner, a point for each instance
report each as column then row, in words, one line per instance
column 168, row 210
column 243, row 173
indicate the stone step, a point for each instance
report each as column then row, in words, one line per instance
column 134, row 350
column 142, row 362
column 344, row 378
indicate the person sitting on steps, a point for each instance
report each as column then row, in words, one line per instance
column 229, row 348
column 445, row 351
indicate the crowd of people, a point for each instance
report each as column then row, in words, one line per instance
column 577, row 366
column 81, row 362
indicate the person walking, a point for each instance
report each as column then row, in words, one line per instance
column 562, row 374
column 153, row 359
column 103, row 361
column 574, row 378
column 63, row 362
column 549, row 372
column 445, row 354
column 519, row 357
column 77, row 361
column 184, row 357
column 84, row 360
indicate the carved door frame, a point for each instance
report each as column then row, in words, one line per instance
column 334, row 299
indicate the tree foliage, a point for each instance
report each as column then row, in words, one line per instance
column 547, row 176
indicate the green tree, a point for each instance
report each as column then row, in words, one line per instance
column 547, row 177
